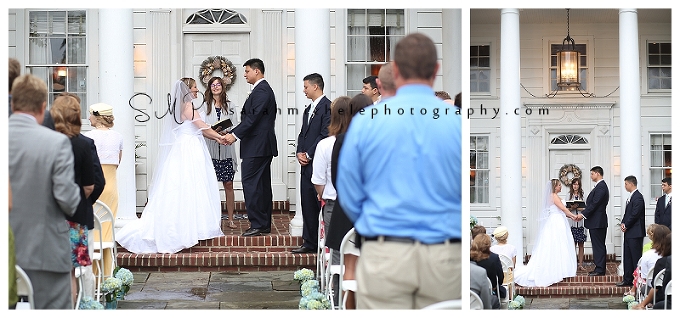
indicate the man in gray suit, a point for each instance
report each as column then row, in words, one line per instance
column 43, row 194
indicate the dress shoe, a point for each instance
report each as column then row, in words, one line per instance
column 303, row 249
column 595, row 274
column 252, row 232
column 621, row 284
column 266, row 230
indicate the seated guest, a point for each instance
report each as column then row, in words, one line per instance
column 509, row 250
column 480, row 286
column 481, row 254
column 663, row 247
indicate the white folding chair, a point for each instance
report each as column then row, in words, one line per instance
column 498, row 294
column 347, row 246
column 667, row 293
column 446, row 304
column 103, row 214
column 320, row 257
column 509, row 279
column 657, row 282
column 475, row 301
column 24, row 290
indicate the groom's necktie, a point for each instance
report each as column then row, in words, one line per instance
column 668, row 200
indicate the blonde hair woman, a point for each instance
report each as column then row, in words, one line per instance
column 109, row 145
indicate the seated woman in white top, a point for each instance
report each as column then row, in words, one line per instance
column 503, row 248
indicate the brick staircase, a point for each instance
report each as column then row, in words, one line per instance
column 582, row 285
column 232, row 252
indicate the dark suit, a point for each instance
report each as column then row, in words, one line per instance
column 662, row 214
column 258, row 147
column 634, row 220
column 596, row 222
column 313, row 130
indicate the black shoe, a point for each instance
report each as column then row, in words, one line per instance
column 266, row 230
column 252, row 232
column 595, row 274
column 622, row 284
column 303, row 249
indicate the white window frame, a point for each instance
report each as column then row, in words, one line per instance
column 488, row 169
column 644, row 63
column 656, row 184
column 492, row 65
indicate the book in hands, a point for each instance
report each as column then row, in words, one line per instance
column 222, row 125
column 581, row 204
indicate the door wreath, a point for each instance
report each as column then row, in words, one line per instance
column 213, row 63
column 564, row 173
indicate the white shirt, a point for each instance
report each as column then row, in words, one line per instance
column 312, row 107
column 647, row 261
column 109, row 145
column 506, row 249
column 321, row 169
column 668, row 199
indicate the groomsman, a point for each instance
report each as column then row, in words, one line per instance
column 633, row 228
column 662, row 214
column 316, row 118
column 595, row 215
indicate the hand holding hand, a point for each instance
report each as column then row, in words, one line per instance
column 623, row 227
column 229, row 138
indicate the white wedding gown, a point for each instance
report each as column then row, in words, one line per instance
column 554, row 257
column 184, row 204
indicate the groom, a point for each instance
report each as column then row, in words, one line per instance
column 595, row 215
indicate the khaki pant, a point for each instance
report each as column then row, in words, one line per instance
column 395, row 275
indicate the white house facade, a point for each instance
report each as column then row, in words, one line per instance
column 129, row 58
column 524, row 127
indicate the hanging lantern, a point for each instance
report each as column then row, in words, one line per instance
column 568, row 60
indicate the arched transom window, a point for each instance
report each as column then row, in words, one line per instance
column 216, row 16
column 569, row 139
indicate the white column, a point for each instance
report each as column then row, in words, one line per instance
column 511, row 130
column 116, row 78
column 451, row 51
column 629, row 76
column 312, row 55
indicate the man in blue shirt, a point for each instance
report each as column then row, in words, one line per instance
column 399, row 175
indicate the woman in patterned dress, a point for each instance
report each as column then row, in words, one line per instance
column 577, row 228
column 65, row 112
column 223, row 156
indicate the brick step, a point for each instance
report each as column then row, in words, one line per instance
column 581, row 285
column 240, row 244
column 231, row 252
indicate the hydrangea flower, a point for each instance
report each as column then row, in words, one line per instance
column 632, row 304
column 111, row 285
column 303, row 275
column 89, row 303
column 473, row 222
column 628, row 298
column 125, row 276
column 520, row 299
column 513, row 304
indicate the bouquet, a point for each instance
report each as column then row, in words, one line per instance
column 517, row 303
column 303, row 275
column 89, row 303
column 126, row 279
column 111, row 287
column 473, row 222
column 309, row 286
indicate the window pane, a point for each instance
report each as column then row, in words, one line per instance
column 76, row 50
column 473, row 75
column 56, row 23
column 473, row 87
column 665, row 48
column 474, row 50
column 483, row 160
column 355, row 76
column 665, row 83
column 76, row 77
column 474, row 62
column 583, row 77
column 377, row 45
column 653, row 48
column 654, row 60
column 665, row 60
column 57, row 49
column 76, row 22
column 483, row 144
column 484, row 50
column 484, row 62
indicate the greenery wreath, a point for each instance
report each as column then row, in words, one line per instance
column 213, row 63
column 564, row 174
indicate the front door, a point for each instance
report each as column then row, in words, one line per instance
column 235, row 47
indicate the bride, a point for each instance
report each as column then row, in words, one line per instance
column 552, row 258
column 184, row 203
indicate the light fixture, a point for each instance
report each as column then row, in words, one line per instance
column 568, row 60
column 61, row 71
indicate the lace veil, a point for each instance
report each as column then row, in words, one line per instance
column 545, row 209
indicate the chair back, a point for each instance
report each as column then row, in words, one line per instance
column 346, row 246
column 506, row 262
column 658, row 282
column 24, row 289
column 446, row 304
column 669, row 286
column 475, row 301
